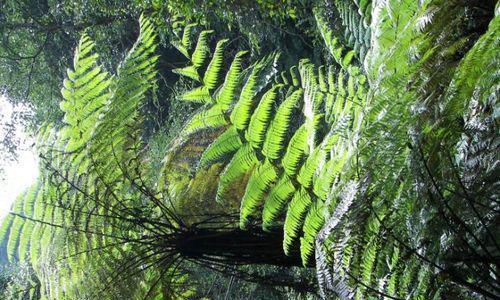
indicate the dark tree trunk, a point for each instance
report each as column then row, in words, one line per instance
column 236, row 247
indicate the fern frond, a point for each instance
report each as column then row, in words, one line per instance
column 31, row 199
column 225, row 145
column 187, row 36
column 85, row 93
column 15, row 231
column 181, row 48
column 199, row 94
column 313, row 162
column 213, row 117
column 329, row 172
column 227, row 92
column 202, row 49
column 295, row 217
column 276, row 134
column 5, row 228
column 118, row 129
column 260, row 119
column 212, row 74
column 313, row 223
column 276, row 202
column 256, row 81
column 239, row 166
column 262, row 177
column 294, row 73
column 295, row 152
column 189, row 71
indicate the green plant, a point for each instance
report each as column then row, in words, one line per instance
column 358, row 167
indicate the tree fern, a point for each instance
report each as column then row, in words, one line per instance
column 361, row 163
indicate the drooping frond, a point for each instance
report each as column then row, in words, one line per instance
column 380, row 168
column 187, row 35
column 261, row 118
column 236, row 170
column 184, row 45
column 200, row 53
column 261, row 179
column 15, row 230
column 199, row 94
column 226, row 144
column 85, row 93
column 255, row 82
column 276, row 202
column 295, row 152
column 136, row 75
column 211, row 118
column 278, row 130
column 212, row 74
column 295, row 217
column 227, row 93
column 271, row 157
column 189, row 71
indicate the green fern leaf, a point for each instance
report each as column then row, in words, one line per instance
column 199, row 95
column 202, row 49
column 256, row 81
column 260, row 119
column 211, row 118
column 181, row 48
column 225, row 145
column 5, row 228
column 189, row 71
column 28, row 209
column 16, row 229
column 295, row 151
column 227, row 92
column 294, row 73
column 85, row 93
column 313, row 162
column 276, row 135
column 276, row 202
column 187, row 36
column 295, row 217
column 394, row 275
column 323, row 86
column 212, row 74
column 313, row 223
column 241, row 163
column 262, row 177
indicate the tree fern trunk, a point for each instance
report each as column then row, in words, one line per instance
column 237, row 247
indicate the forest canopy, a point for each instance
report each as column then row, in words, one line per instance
column 312, row 149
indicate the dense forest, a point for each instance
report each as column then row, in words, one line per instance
column 237, row 149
